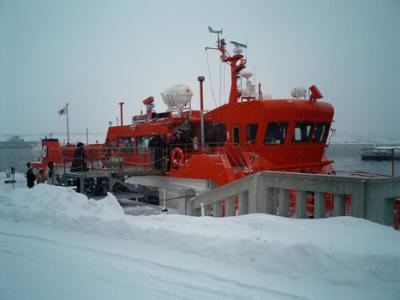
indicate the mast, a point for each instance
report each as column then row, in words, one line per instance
column 236, row 62
column 67, row 107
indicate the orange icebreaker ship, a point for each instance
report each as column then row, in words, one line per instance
column 248, row 134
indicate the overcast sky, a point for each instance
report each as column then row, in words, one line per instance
column 94, row 54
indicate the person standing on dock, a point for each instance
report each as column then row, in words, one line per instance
column 51, row 176
column 30, row 176
column 78, row 162
column 40, row 177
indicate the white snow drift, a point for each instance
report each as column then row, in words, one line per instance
column 55, row 243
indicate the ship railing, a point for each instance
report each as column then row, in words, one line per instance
column 126, row 160
column 232, row 151
column 300, row 195
column 129, row 159
column 140, row 160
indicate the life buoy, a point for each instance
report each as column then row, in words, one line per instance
column 44, row 151
column 177, row 157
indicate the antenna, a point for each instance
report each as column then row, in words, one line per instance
column 218, row 32
column 239, row 45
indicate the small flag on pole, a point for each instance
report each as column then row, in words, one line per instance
column 65, row 111
column 62, row 111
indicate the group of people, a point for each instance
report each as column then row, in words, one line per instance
column 31, row 177
column 160, row 147
column 158, row 144
column 78, row 165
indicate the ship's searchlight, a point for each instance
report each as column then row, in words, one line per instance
column 315, row 93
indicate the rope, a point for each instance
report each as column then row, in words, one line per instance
column 209, row 76
column 177, row 196
column 169, row 192
column 143, row 164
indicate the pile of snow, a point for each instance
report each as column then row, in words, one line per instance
column 58, row 207
column 258, row 256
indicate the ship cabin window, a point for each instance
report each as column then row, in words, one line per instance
column 302, row 132
column 321, row 132
column 236, row 135
column 125, row 144
column 214, row 133
column 142, row 143
column 276, row 133
column 251, row 133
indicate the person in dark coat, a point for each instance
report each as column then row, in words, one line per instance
column 30, row 176
column 51, row 177
column 156, row 151
column 40, row 177
column 78, row 162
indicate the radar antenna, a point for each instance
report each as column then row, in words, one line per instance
column 239, row 45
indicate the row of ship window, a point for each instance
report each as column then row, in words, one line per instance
column 276, row 133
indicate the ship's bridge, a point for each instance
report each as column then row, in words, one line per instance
column 285, row 132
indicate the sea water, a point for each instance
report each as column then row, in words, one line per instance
column 347, row 158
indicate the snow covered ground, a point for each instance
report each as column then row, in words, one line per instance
column 57, row 244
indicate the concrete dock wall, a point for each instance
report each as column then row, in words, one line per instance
column 269, row 192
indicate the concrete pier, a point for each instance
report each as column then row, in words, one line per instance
column 270, row 192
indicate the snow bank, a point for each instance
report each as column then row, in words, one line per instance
column 336, row 252
column 59, row 207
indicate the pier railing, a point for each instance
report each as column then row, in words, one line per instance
column 277, row 192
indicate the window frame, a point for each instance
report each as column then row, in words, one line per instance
column 283, row 124
column 236, row 137
column 129, row 147
column 254, row 138
column 142, row 143
column 309, row 135
column 215, row 133
column 324, row 135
